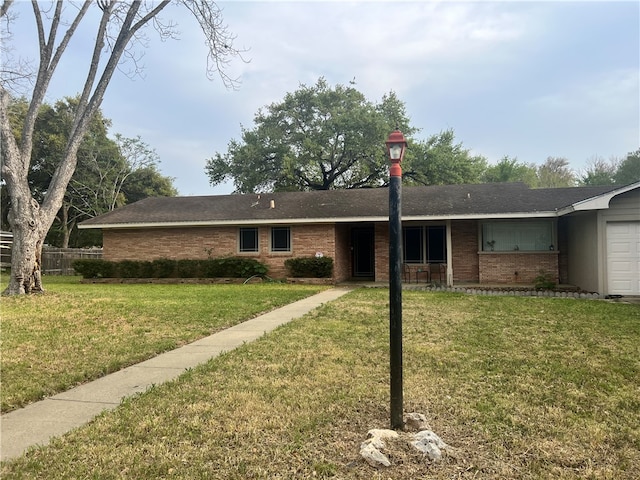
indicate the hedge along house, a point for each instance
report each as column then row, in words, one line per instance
column 455, row 234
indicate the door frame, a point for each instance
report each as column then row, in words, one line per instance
column 363, row 245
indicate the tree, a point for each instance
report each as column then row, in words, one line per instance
column 317, row 138
column 121, row 25
column 110, row 179
column 555, row 173
column 629, row 169
column 52, row 128
column 511, row 170
column 440, row 161
column 600, row 172
column 147, row 182
column 104, row 168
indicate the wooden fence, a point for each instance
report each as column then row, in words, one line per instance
column 57, row 261
column 6, row 240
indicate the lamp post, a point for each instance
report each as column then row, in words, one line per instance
column 396, row 145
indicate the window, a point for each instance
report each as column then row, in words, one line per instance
column 425, row 244
column 249, row 239
column 413, row 245
column 531, row 236
column 280, row 239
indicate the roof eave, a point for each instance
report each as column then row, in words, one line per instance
column 298, row 221
column 599, row 202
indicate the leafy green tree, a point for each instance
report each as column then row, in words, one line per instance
column 104, row 169
column 629, row 169
column 555, row 173
column 317, row 138
column 147, row 182
column 511, row 170
column 441, row 161
column 600, row 172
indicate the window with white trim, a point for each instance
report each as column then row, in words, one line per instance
column 280, row 239
column 248, row 239
column 528, row 236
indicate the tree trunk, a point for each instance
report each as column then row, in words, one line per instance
column 26, row 251
column 64, row 221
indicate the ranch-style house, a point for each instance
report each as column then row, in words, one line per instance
column 502, row 233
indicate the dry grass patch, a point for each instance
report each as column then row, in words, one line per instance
column 502, row 380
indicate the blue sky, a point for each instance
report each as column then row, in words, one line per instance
column 524, row 79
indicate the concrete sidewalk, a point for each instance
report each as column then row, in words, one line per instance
column 37, row 423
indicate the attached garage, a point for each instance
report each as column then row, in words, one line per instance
column 623, row 258
column 603, row 242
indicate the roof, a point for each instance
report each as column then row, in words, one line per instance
column 437, row 202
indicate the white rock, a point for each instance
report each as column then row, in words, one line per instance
column 373, row 456
column 416, row 421
column 376, row 442
column 382, row 433
column 429, row 443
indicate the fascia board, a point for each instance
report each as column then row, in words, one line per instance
column 223, row 223
column 481, row 216
column 298, row 221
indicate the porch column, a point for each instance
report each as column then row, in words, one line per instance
column 449, row 255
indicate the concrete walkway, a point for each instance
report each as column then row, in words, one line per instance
column 38, row 422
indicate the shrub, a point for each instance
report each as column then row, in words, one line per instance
column 310, row 267
column 544, row 281
column 128, row 269
column 189, row 269
column 94, row 268
column 163, row 268
column 232, row 267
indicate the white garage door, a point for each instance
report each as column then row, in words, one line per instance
column 623, row 258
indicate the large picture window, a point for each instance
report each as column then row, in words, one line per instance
column 248, row 239
column 424, row 244
column 529, row 236
column 280, row 239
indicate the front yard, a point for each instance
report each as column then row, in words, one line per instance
column 519, row 387
column 76, row 333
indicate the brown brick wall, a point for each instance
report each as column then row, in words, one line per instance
column 342, row 259
column 201, row 242
column 464, row 243
column 382, row 252
column 331, row 240
column 498, row 267
column 174, row 243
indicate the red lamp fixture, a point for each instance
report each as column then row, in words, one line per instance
column 396, row 146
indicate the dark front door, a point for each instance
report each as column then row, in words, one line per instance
column 362, row 244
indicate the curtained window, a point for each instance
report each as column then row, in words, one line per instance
column 528, row 236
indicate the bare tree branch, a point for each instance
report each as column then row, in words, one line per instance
column 4, row 8
column 218, row 39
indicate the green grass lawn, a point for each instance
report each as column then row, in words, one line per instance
column 78, row 332
column 521, row 388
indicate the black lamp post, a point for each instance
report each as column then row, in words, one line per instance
column 396, row 145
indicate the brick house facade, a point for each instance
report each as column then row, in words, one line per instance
column 474, row 234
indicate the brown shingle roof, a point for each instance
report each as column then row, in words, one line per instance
column 438, row 201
